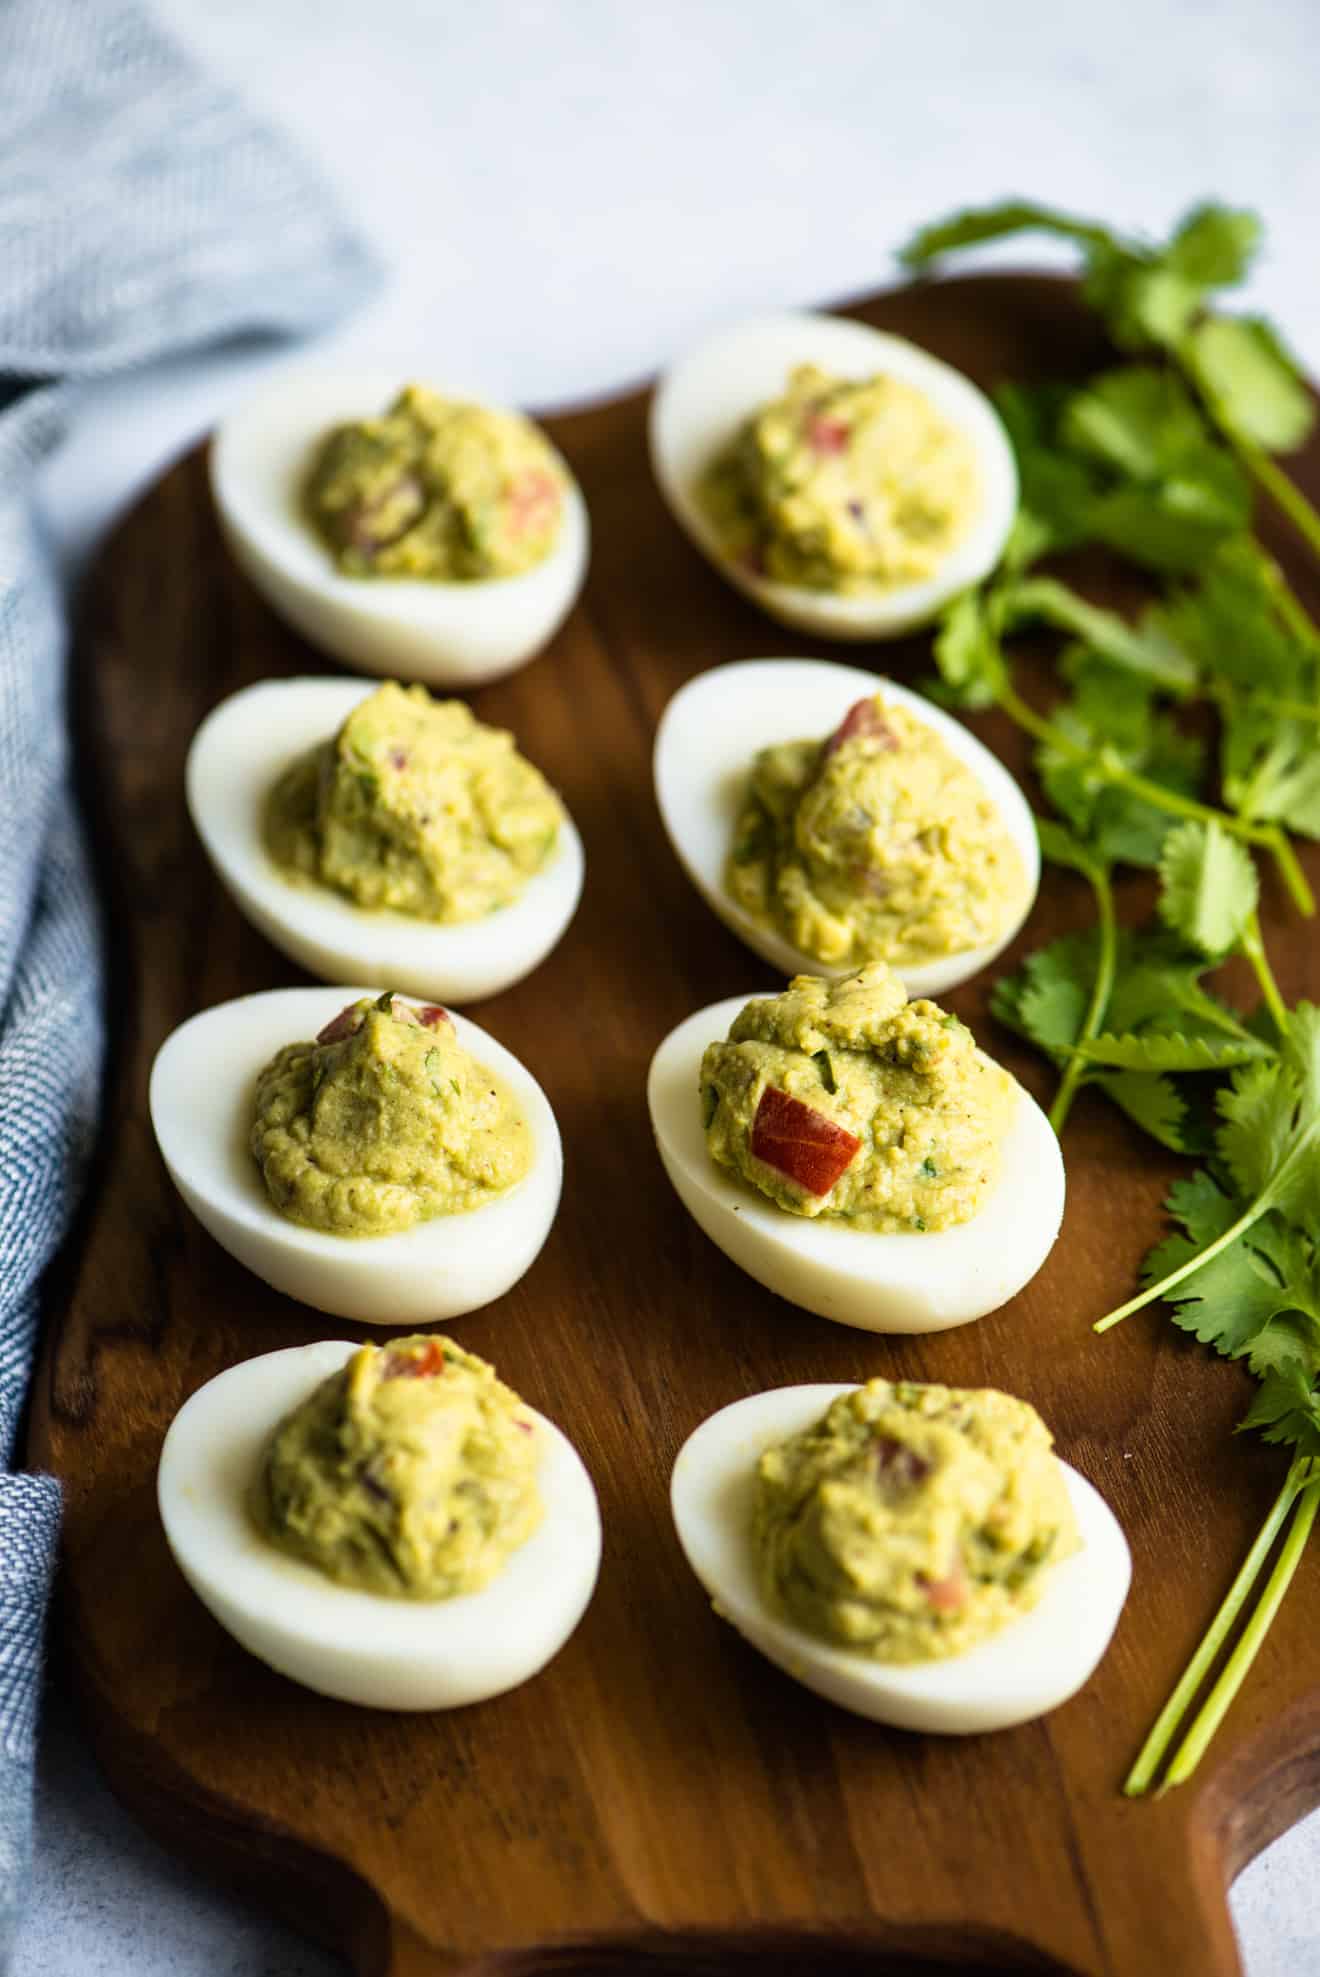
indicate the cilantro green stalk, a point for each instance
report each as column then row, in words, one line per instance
column 1287, row 603
column 1254, row 949
column 1164, row 1729
column 1158, row 297
column 1245, row 1221
column 1238, row 1667
column 1101, row 989
column 1285, row 493
column 1268, row 836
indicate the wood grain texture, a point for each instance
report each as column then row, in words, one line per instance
column 660, row 1798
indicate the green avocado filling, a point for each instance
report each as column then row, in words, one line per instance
column 383, row 1122
column 410, row 1473
column 435, row 489
column 845, row 1099
column 876, row 844
column 911, row 1522
column 849, row 485
column 415, row 806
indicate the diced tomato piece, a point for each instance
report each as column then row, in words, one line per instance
column 949, row 1594
column 898, row 1468
column 827, row 435
column 533, row 501
column 863, row 719
column 421, row 1363
column 430, row 1015
column 800, row 1142
column 343, row 1025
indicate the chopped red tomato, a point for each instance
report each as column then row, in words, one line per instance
column 827, row 435
column 430, row 1015
column 418, row 1363
column 341, row 1026
column 862, row 719
column 533, row 501
column 949, row 1594
column 800, row 1142
column 898, row 1468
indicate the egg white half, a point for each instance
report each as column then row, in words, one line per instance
column 201, row 1101
column 236, row 756
column 923, row 1282
column 446, row 634
column 702, row 400
column 1030, row 1666
column 358, row 1646
column 704, row 746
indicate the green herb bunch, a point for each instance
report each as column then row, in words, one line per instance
column 1157, row 459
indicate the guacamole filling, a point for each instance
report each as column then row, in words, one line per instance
column 384, row 1121
column 911, row 1522
column 849, row 485
column 876, row 844
column 845, row 1099
column 410, row 1473
column 436, row 489
column 415, row 806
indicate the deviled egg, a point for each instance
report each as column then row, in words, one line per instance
column 384, row 1164
column 901, row 838
column 395, row 583
column 970, row 1599
column 328, row 1561
column 857, row 1154
column 400, row 846
column 844, row 479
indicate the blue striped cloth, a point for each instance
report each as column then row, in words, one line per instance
column 143, row 211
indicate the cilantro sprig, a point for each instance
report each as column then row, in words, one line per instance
column 1157, row 296
column 1120, row 773
column 1155, row 459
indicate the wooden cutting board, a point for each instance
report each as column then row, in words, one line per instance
column 660, row 1797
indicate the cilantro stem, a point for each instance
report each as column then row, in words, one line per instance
column 1104, row 764
column 1287, row 603
column 1101, row 989
column 1295, row 883
column 1238, row 1667
column 1254, row 949
column 1284, row 492
column 1165, row 1726
column 1245, row 1221
column 1272, row 703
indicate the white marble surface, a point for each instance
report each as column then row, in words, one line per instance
column 569, row 191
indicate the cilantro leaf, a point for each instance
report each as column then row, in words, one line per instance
column 1227, row 623
column 1174, row 1050
column 1231, row 1298
column 971, row 666
column 1152, row 1102
column 1159, row 981
column 1208, row 887
column 1270, row 1137
column 1149, row 649
column 1279, row 781
column 1056, row 491
column 973, row 225
column 1117, row 826
column 1175, row 524
column 1286, row 1410
column 1046, row 1000
column 1214, row 245
column 1137, row 421
column 1250, row 381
